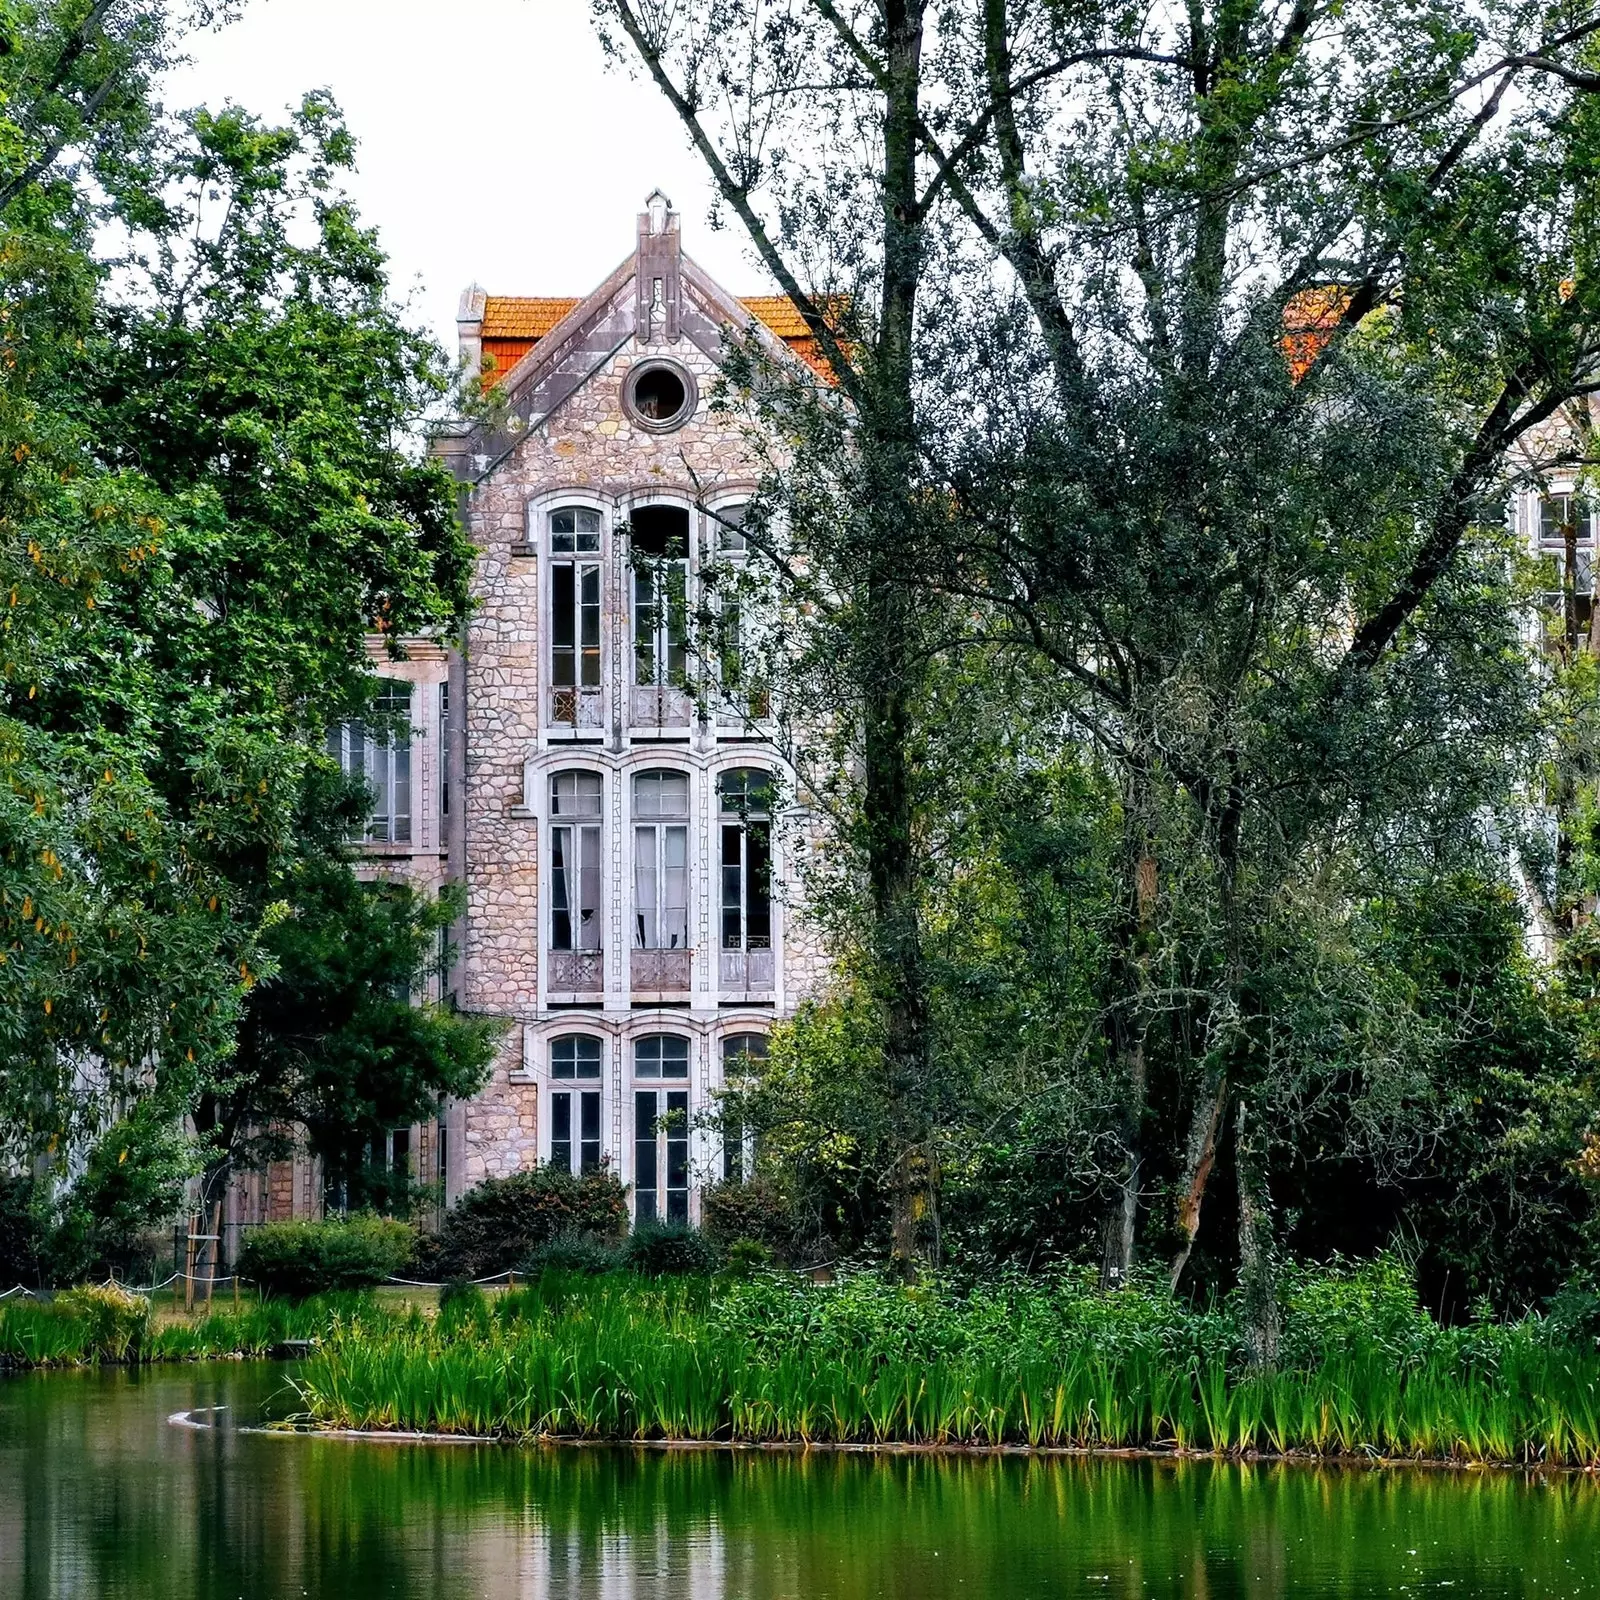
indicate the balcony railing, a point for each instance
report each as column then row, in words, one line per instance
column 577, row 971
column 752, row 971
column 661, row 971
column 659, row 707
column 577, row 708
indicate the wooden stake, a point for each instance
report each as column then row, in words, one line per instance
column 216, row 1249
column 188, row 1263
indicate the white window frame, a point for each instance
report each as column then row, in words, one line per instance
column 657, row 837
column 575, row 1089
column 663, row 1200
column 386, row 766
column 578, row 836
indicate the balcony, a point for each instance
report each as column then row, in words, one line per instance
column 659, row 707
column 577, row 971
column 661, row 971
column 578, row 710
column 748, row 971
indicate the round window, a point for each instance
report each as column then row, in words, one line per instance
column 660, row 395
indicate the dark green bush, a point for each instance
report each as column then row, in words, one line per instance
column 24, row 1233
column 298, row 1259
column 573, row 1252
column 745, row 1257
column 495, row 1227
column 669, row 1249
column 756, row 1210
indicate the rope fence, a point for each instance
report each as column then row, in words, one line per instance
column 224, row 1278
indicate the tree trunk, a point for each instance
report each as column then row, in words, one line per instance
column 1257, row 1275
column 1199, row 1158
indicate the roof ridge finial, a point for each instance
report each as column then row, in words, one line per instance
column 658, row 208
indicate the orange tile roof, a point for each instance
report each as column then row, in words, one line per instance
column 513, row 324
column 518, row 317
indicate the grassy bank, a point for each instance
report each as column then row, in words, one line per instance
column 87, row 1326
column 1363, row 1371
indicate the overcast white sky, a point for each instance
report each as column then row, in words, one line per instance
column 496, row 143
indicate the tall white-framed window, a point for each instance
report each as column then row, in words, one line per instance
column 661, row 1127
column 661, row 861
column 380, row 752
column 745, row 799
column 575, row 913
column 659, row 548
column 575, row 1102
column 575, row 616
column 1566, row 532
column 740, row 1052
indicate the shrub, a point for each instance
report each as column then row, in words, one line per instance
column 573, row 1252
column 114, row 1320
column 496, row 1226
column 756, row 1210
column 669, row 1249
column 298, row 1259
column 24, row 1232
column 746, row 1257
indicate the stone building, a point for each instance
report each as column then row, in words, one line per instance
column 611, row 813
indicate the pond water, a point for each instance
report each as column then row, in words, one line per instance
column 101, row 1496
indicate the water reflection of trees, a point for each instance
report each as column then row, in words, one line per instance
column 98, row 1496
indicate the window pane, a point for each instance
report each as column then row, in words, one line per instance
column 575, row 1055
column 561, row 1131
column 729, row 522
column 589, row 1132
column 644, row 1154
column 674, row 915
column 644, row 627
column 589, row 889
column 560, row 889
column 589, row 626
column 400, row 825
column 647, row 1057
column 575, row 794
column 674, row 1055
column 563, row 627
column 758, row 886
column 746, row 792
column 677, row 1140
column 563, row 525
column 645, row 925
column 661, row 794
column 732, row 888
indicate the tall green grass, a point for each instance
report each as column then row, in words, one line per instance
column 1363, row 1371
column 64, row 1332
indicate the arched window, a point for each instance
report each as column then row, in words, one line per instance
column 575, row 1102
column 745, row 796
column 661, row 861
column 575, row 861
column 660, row 551
column 739, row 1051
column 575, row 617
column 661, row 1127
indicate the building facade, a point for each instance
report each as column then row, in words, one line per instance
column 613, row 801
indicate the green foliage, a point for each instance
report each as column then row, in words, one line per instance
column 1055, row 1364
column 335, row 1041
column 579, row 1253
column 24, row 1232
column 211, row 494
column 494, row 1227
column 760, row 1211
column 113, row 1321
column 659, row 1249
column 300, row 1259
